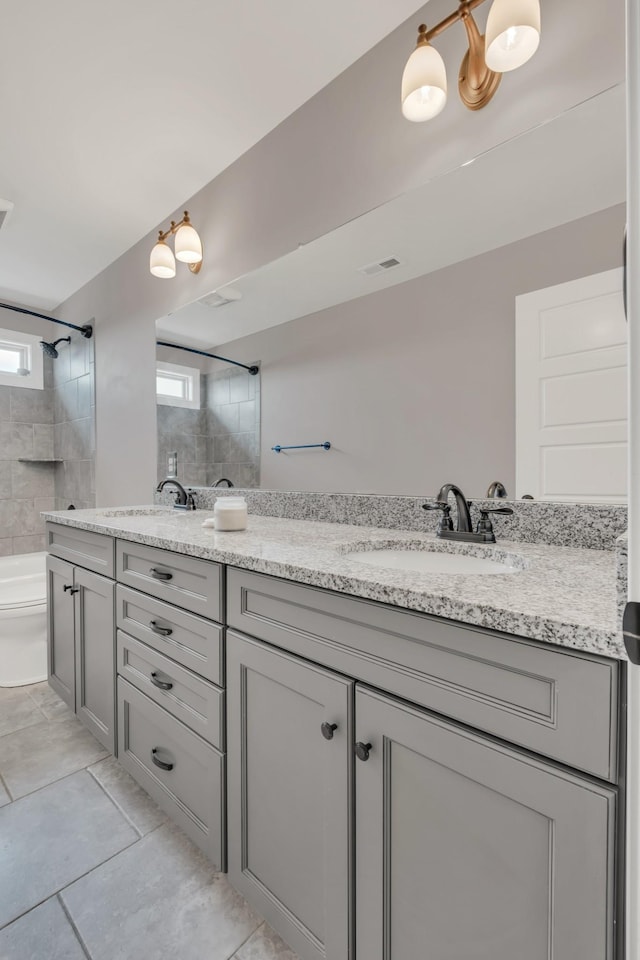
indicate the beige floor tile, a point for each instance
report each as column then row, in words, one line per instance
column 138, row 806
column 52, row 706
column 54, row 836
column 265, row 944
column 42, row 934
column 17, row 710
column 44, row 752
column 159, row 899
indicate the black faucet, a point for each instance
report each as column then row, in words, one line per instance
column 184, row 498
column 222, row 480
column 484, row 532
column 496, row 491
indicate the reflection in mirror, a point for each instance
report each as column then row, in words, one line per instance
column 208, row 419
column 469, row 330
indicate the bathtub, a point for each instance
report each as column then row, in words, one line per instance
column 23, row 619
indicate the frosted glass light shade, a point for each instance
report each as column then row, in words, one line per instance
column 162, row 262
column 424, row 84
column 513, row 34
column 188, row 245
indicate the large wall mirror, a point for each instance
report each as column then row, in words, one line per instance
column 471, row 331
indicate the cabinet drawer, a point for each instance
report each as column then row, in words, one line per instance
column 188, row 582
column 557, row 703
column 182, row 773
column 94, row 551
column 192, row 641
column 196, row 702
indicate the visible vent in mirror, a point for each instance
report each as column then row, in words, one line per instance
column 371, row 269
column 219, row 298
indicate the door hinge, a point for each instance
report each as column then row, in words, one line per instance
column 631, row 631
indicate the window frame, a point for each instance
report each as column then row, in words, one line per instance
column 188, row 374
column 35, row 361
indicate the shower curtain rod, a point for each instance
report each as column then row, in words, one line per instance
column 86, row 330
column 253, row 370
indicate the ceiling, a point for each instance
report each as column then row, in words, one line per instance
column 551, row 175
column 114, row 113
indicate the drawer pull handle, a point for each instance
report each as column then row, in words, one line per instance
column 327, row 730
column 362, row 750
column 161, row 574
column 161, row 684
column 161, row 631
column 160, row 763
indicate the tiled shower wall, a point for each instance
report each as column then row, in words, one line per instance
column 26, row 431
column 56, row 422
column 222, row 438
column 74, row 424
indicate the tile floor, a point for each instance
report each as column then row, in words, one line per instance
column 90, row 867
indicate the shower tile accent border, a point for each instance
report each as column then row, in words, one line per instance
column 586, row 525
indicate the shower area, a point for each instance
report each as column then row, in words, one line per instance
column 47, row 442
column 47, row 446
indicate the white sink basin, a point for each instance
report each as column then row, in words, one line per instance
column 430, row 561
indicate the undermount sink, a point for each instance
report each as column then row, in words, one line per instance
column 425, row 560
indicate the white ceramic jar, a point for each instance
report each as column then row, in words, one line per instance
column 230, row 513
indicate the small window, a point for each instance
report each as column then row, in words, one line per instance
column 20, row 360
column 178, row 386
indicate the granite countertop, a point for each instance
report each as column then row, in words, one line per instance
column 559, row 595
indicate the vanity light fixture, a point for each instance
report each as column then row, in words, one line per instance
column 188, row 249
column 512, row 38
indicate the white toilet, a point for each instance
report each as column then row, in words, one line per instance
column 23, row 619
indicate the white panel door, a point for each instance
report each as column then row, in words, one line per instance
column 571, row 391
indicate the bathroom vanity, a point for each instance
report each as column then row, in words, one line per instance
column 379, row 759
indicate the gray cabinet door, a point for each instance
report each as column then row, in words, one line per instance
column 468, row 850
column 289, row 795
column 60, row 632
column 95, row 655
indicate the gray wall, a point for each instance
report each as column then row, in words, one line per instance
column 345, row 151
column 415, row 385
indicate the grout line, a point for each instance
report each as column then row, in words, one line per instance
column 246, row 940
column 44, row 786
column 3, row 783
column 115, row 802
column 60, row 890
column 73, row 926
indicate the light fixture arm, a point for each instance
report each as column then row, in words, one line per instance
column 86, row 330
column 253, row 370
column 464, row 9
column 173, row 229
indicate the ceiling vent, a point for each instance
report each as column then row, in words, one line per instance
column 5, row 211
column 220, row 298
column 371, row 269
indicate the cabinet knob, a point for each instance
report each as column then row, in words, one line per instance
column 362, row 750
column 158, row 762
column 161, row 684
column 327, row 730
